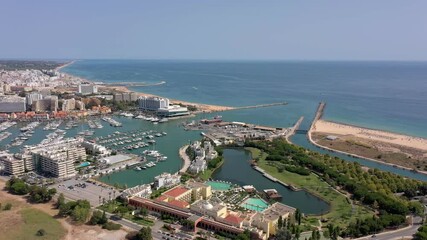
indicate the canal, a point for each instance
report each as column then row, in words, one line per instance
column 237, row 169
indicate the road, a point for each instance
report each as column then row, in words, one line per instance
column 397, row 234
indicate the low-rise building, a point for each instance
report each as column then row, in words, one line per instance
column 137, row 191
column 166, row 180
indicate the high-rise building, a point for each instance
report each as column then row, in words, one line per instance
column 57, row 159
column 86, row 89
column 11, row 165
column 152, row 103
column 68, row 104
column 49, row 103
column 12, row 103
column 31, row 97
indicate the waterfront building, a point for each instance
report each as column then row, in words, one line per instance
column 152, row 103
column 161, row 106
column 12, row 103
column 86, row 89
column 68, row 104
column 203, row 154
column 116, row 159
column 57, row 159
column 49, row 103
column 137, row 191
column 166, row 180
column 93, row 148
column 11, row 165
column 80, row 105
column 118, row 97
column 31, row 97
column 173, row 111
column 267, row 220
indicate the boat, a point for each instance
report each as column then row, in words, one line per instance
column 163, row 120
column 138, row 169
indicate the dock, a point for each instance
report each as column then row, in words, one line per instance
column 294, row 128
column 319, row 114
column 261, row 105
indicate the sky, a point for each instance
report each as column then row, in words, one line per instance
column 214, row 29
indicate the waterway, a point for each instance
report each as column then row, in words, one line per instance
column 237, row 169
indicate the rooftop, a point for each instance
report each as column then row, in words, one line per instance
column 176, row 192
column 116, row 159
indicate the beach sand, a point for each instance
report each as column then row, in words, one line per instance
column 200, row 106
column 332, row 128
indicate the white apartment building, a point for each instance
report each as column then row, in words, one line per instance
column 12, row 103
column 86, row 89
column 11, row 165
column 152, row 103
column 58, row 158
column 166, row 180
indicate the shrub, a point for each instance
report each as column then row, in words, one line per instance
column 111, row 226
column 41, row 232
column 7, row 207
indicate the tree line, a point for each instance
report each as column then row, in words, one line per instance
column 371, row 187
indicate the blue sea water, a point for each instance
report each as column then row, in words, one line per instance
column 385, row 95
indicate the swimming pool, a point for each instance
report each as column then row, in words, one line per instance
column 219, row 186
column 256, row 204
column 83, row 164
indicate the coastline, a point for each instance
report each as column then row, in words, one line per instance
column 357, row 156
column 201, row 107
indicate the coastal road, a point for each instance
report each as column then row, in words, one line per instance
column 397, row 234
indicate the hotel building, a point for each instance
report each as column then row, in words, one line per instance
column 86, row 89
column 12, row 103
column 57, row 159
column 11, row 165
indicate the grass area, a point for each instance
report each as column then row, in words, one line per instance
column 208, row 172
column 341, row 211
column 33, row 220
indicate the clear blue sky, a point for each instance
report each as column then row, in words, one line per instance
column 215, row 29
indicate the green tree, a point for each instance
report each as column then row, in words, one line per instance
column 283, row 234
column 144, row 234
column 80, row 214
column 298, row 216
column 19, row 188
column 280, row 223
column 96, row 218
column 60, row 201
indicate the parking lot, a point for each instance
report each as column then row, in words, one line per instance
column 94, row 193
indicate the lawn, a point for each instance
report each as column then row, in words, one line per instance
column 31, row 221
column 205, row 175
column 341, row 211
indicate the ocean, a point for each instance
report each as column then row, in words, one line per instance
column 390, row 96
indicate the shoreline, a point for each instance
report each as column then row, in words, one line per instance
column 184, row 158
column 372, row 129
column 201, row 107
column 358, row 156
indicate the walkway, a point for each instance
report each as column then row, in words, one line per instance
column 185, row 158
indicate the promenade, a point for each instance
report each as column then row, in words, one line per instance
column 185, row 158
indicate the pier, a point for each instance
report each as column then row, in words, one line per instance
column 294, row 128
column 319, row 114
column 261, row 105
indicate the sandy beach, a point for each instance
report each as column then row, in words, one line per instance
column 332, row 128
column 200, row 106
